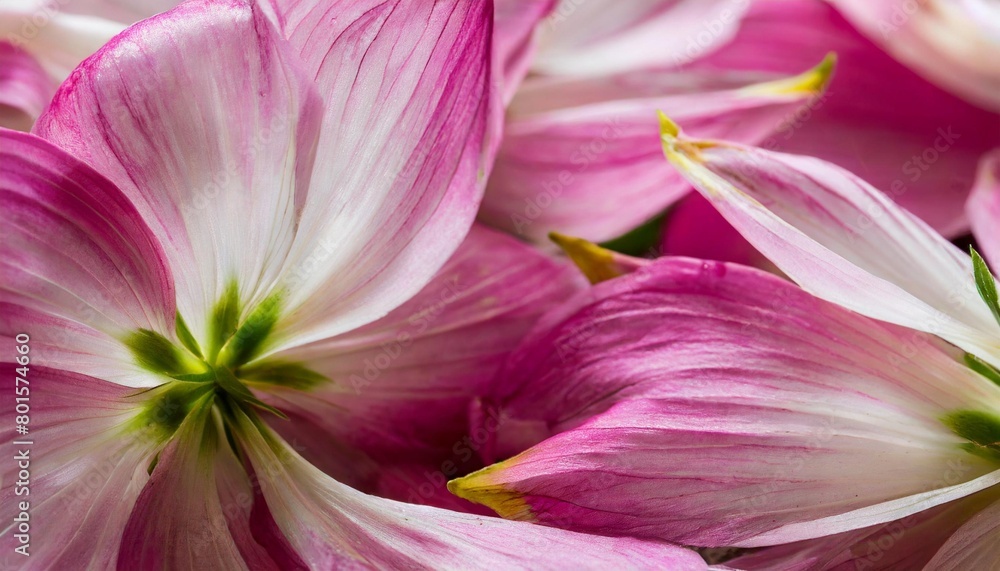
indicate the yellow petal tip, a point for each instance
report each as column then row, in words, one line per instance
column 809, row 83
column 667, row 126
column 597, row 263
column 476, row 489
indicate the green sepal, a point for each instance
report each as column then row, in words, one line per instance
column 239, row 392
column 163, row 413
column 985, row 283
column 186, row 339
column 983, row 368
column 981, row 429
column 225, row 318
column 155, row 353
column 247, row 341
column 282, row 374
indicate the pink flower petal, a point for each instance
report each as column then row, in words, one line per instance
column 842, row 239
column 597, row 38
column 694, row 228
column 80, row 268
column 86, row 469
column 25, row 88
column 400, row 388
column 580, row 156
column 983, row 208
column 219, row 174
column 333, row 526
column 974, row 546
column 712, row 404
column 514, row 44
column 401, row 160
column 878, row 119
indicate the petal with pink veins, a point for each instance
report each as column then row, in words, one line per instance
column 333, row 526
column 598, row 38
column 712, row 404
column 579, row 156
column 402, row 157
column 87, row 464
column 25, row 88
column 400, row 389
column 976, row 545
column 983, row 208
column 878, row 119
column 514, row 42
column 220, row 174
column 841, row 239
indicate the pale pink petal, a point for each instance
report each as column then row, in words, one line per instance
column 842, row 239
column 712, row 404
column 25, row 88
column 694, row 228
column 514, row 23
column 219, row 174
column 955, row 43
column 401, row 161
column 400, row 388
column 880, row 120
column 87, row 464
column 976, row 545
column 580, row 157
column 333, row 526
column 125, row 11
column 983, row 208
column 908, row 543
column 609, row 36
column 80, row 268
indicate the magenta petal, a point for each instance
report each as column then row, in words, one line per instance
column 983, row 208
column 25, row 88
column 711, row 404
column 402, row 157
column 74, row 247
column 880, row 120
column 694, row 228
column 218, row 174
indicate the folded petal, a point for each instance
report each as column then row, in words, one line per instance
column 955, row 44
column 401, row 161
column 219, row 174
column 87, row 458
column 842, row 239
column 976, row 545
column 400, row 388
column 25, row 88
column 878, row 119
column 578, row 156
column 80, row 267
column 333, row 526
column 596, row 38
column 983, row 208
column 712, row 404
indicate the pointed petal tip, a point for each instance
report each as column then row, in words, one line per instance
column 597, row 264
column 808, row 83
column 668, row 128
column 477, row 488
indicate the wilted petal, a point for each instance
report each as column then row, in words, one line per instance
column 878, row 118
column 333, row 526
column 87, row 465
column 841, row 239
column 400, row 388
column 401, row 161
column 25, row 88
column 976, row 545
column 218, row 174
column 580, row 156
column 724, row 406
column 596, row 38
column 983, row 208
column 954, row 43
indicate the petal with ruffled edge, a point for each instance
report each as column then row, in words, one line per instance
column 597, row 38
column 841, row 239
column 80, row 268
column 401, row 162
column 955, row 44
column 983, row 208
column 721, row 405
column 878, row 119
column 580, row 156
column 332, row 525
column 976, row 545
column 87, row 466
column 25, row 88
column 219, row 174
column 399, row 389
